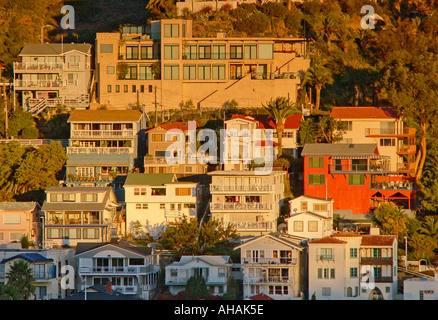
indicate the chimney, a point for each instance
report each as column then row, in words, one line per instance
column 109, row 288
column 374, row 231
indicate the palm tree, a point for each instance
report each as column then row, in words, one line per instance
column 317, row 76
column 429, row 227
column 21, row 277
column 280, row 108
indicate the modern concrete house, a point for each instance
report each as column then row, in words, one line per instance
column 164, row 66
column 80, row 214
column 19, row 219
column 52, row 74
column 104, row 144
column 249, row 201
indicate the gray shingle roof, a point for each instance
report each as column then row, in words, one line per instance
column 26, row 206
column 339, row 149
column 152, row 179
column 54, row 48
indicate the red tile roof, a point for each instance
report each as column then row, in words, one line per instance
column 260, row 296
column 378, row 240
column 329, row 239
column 363, row 113
column 347, row 234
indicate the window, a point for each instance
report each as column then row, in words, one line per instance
column 190, row 52
column 387, row 289
column 131, row 52
column 387, row 142
column 353, row 272
column 298, row 226
column 326, row 292
column 204, row 51
column 219, row 51
column 313, row 226
column 145, row 72
column 108, row 88
column 132, row 73
column 348, row 125
column 54, row 233
column 266, row 51
column 356, row 179
column 303, row 205
column 162, row 206
column 171, row 30
column 68, row 197
column 158, row 191
column 326, row 254
column 171, row 52
column 136, row 262
column 157, row 137
column 377, row 272
column 145, row 206
column 91, row 233
column 138, row 206
column 171, row 72
column 189, row 72
column 221, row 272
column 117, row 88
column 89, row 197
column 353, row 252
column 136, row 191
column 146, row 52
column 134, row 88
column 319, row 207
column 236, row 51
column 316, row 179
column 183, row 191
column 125, row 88
column 16, row 236
column 218, row 72
column 204, row 72
column 110, row 70
column 73, row 233
column 250, row 51
column 377, row 252
column 316, row 162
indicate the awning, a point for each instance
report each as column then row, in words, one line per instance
column 372, row 157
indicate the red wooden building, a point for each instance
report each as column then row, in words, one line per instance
column 356, row 176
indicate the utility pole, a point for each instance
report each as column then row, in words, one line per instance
column 155, row 103
column 6, row 111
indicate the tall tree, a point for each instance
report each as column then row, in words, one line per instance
column 280, row 108
column 392, row 220
column 429, row 227
column 21, row 277
column 317, row 76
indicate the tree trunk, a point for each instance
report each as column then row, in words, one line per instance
column 280, row 129
column 318, row 96
column 356, row 95
column 423, row 148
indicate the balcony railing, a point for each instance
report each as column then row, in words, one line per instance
column 155, row 160
column 78, row 222
column 125, row 289
column 388, row 131
column 183, row 280
column 233, row 206
column 268, row 279
column 359, row 168
column 219, row 187
column 116, row 270
column 376, row 260
column 39, row 83
column 404, row 186
column 254, row 226
column 19, row 66
column 407, row 149
column 270, row 261
column 325, row 257
column 44, row 276
column 100, row 150
column 102, row 133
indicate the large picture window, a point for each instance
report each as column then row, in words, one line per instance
column 316, row 179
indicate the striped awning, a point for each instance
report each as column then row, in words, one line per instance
column 372, row 157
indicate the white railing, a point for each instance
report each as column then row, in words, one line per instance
column 100, row 150
column 40, row 83
column 102, row 133
column 254, row 206
column 265, row 226
column 218, row 187
column 37, row 66
column 270, row 261
column 125, row 289
column 114, row 270
column 267, row 279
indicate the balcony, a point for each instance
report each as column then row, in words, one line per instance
column 238, row 188
column 102, row 134
column 376, row 260
column 155, row 160
column 234, row 206
column 358, row 168
column 406, row 149
column 100, row 150
column 34, row 67
column 325, row 257
column 270, row 261
column 209, row 280
column 268, row 280
column 35, row 84
column 44, row 276
column 406, row 167
column 254, row 226
column 394, row 185
column 382, row 132
column 116, row 270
